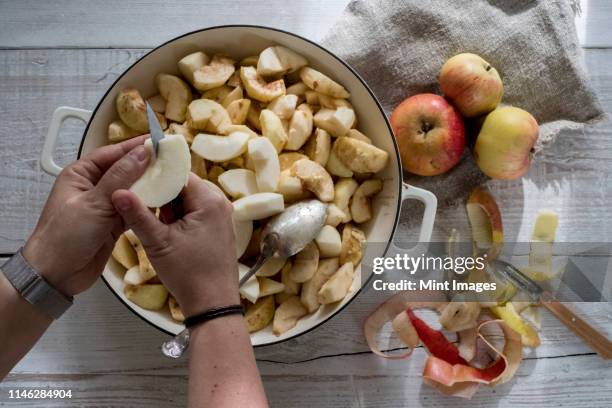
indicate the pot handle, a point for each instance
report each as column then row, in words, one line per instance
column 429, row 216
column 62, row 113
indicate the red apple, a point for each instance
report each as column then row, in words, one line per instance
column 471, row 84
column 430, row 134
column 503, row 146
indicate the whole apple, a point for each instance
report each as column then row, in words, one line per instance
column 471, row 84
column 503, row 146
column 430, row 134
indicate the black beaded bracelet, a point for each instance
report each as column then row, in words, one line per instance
column 213, row 313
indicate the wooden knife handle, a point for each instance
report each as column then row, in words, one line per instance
column 582, row 329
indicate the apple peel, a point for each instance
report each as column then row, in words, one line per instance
column 486, row 223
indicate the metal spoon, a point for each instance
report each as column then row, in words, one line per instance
column 286, row 234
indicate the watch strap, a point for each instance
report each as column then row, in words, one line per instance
column 34, row 288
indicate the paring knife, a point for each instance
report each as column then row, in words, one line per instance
column 157, row 133
column 597, row 341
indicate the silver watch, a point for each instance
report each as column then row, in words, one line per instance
column 34, row 288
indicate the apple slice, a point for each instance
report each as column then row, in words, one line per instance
column 238, row 183
column 266, row 164
column 269, row 287
column 343, row 191
column 284, row 106
column 271, row 267
column 329, row 242
column 119, row 131
column 322, row 83
column 220, row 148
column 166, row 174
column 361, row 208
column 250, row 289
column 337, row 287
column 287, row 315
column 191, row 63
column 287, row 159
column 257, row 88
column 299, row 89
column 243, row 230
column 335, row 166
column 305, row 263
column 214, row 74
column 314, row 178
column 258, row 206
column 485, row 222
column 234, row 95
column 300, row 129
column 272, row 128
column 335, row 215
column 360, row 157
column 279, row 60
column 310, row 289
column 177, row 95
column 238, row 111
column 206, row 114
column 291, row 187
column 352, row 245
column 124, row 253
column 337, row 122
column 150, row 297
column 318, row 147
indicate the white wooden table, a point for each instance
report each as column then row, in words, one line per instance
column 67, row 52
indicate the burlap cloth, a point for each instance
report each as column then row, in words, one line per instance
column 399, row 46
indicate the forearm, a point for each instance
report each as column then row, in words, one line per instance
column 222, row 368
column 21, row 325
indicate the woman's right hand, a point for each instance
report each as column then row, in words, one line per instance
column 193, row 256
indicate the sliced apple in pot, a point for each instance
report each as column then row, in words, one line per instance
column 305, row 263
column 250, row 289
column 337, row 122
column 360, row 157
column 335, row 166
column 191, row 63
column 266, row 164
column 238, row 183
column 322, row 83
column 300, row 129
column 269, row 287
column 272, row 128
column 361, row 208
column 220, row 148
column 166, row 174
column 314, row 178
column 242, row 233
column 338, row 286
column 318, row 147
column 215, row 74
column 257, row 88
column 206, row 114
column 279, row 60
column 238, row 111
column 284, row 106
column 329, row 242
column 177, row 95
column 258, row 206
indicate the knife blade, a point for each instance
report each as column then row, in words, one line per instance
column 587, row 333
column 157, row 133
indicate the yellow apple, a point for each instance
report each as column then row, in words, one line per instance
column 504, row 144
column 471, row 84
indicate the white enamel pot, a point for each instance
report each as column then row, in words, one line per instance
column 240, row 41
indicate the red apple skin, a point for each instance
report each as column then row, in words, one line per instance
column 430, row 134
column 471, row 84
column 503, row 146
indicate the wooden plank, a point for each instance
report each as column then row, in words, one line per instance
column 31, row 24
column 111, row 24
column 100, row 335
column 572, row 381
column 571, row 177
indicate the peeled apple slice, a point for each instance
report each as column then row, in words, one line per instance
column 166, row 174
column 542, row 240
column 238, row 182
column 265, row 161
column 269, row 287
column 258, row 206
column 329, row 242
column 220, row 148
column 279, row 60
column 242, row 235
column 250, row 289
